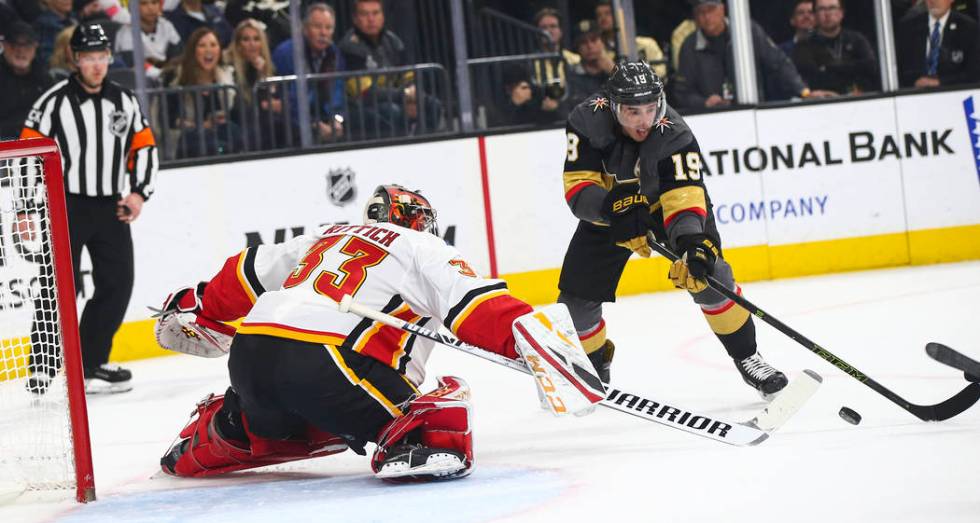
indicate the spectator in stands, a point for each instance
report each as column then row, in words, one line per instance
column 802, row 21
column 552, row 75
column 274, row 14
column 706, row 76
column 523, row 102
column 681, row 32
column 201, row 65
column 61, row 65
column 392, row 98
column 161, row 42
column 647, row 48
column 252, row 62
column 191, row 15
column 56, row 17
column 836, row 59
column 591, row 73
column 326, row 97
column 22, row 78
column 938, row 47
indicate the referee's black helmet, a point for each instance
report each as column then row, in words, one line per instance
column 89, row 37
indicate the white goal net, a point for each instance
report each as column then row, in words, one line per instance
column 43, row 447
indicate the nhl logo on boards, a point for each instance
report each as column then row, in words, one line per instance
column 118, row 123
column 340, row 186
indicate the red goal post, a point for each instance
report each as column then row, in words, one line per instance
column 27, row 453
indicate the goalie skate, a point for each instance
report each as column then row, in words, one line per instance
column 420, row 463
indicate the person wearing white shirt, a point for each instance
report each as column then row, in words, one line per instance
column 161, row 42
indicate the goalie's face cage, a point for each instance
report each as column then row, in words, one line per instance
column 398, row 205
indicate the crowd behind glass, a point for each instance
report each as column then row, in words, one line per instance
column 214, row 68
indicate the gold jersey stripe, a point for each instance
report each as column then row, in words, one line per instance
column 676, row 200
column 573, row 178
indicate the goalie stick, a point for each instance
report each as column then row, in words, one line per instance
column 953, row 358
column 748, row 433
column 944, row 410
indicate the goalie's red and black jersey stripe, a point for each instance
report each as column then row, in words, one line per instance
column 462, row 309
column 250, row 277
column 385, row 343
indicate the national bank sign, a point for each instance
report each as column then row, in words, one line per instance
column 973, row 128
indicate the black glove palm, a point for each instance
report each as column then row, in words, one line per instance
column 629, row 218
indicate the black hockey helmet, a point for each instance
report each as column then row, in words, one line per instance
column 634, row 83
column 400, row 206
column 89, row 37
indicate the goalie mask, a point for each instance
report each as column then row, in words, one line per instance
column 400, row 206
column 637, row 96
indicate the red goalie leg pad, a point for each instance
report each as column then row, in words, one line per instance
column 202, row 451
column 439, row 419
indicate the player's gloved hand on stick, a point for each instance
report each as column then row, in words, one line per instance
column 629, row 218
column 697, row 261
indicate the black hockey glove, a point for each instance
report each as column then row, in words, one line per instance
column 696, row 262
column 629, row 218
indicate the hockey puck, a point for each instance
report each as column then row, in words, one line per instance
column 849, row 415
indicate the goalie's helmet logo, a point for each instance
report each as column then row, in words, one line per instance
column 118, row 123
column 340, row 186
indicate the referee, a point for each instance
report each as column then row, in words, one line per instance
column 109, row 159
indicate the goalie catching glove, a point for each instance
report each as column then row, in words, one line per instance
column 696, row 263
column 547, row 343
column 181, row 327
column 629, row 218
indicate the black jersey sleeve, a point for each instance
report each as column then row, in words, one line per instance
column 586, row 183
column 682, row 192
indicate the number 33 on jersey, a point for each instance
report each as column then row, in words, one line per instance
column 285, row 290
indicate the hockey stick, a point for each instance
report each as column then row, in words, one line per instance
column 749, row 433
column 948, row 356
column 963, row 400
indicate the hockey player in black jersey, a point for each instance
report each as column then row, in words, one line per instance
column 633, row 165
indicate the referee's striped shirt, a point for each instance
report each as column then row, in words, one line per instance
column 107, row 147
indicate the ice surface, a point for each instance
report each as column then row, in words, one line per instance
column 611, row 467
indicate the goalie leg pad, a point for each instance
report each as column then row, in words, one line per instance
column 547, row 342
column 203, row 450
column 431, row 441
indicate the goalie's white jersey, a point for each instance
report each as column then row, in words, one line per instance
column 412, row 275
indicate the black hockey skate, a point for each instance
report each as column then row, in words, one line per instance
column 417, row 463
column 107, row 379
column 761, row 376
column 602, row 358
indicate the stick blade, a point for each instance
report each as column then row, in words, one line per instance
column 789, row 401
column 949, row 356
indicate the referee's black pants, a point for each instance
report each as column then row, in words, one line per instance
column 92, row 223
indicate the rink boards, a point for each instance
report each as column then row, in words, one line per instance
column 796, row 190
